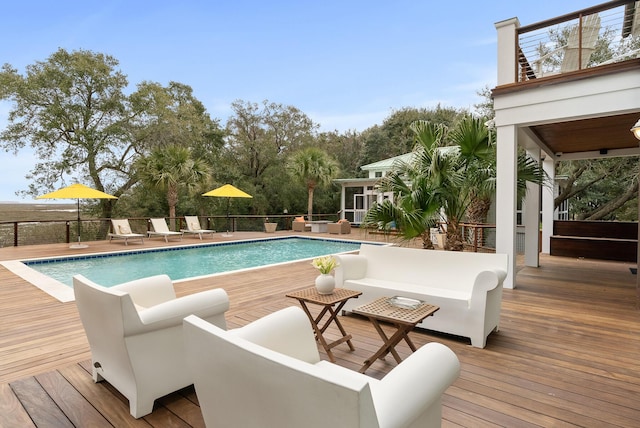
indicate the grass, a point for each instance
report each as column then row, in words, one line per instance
column 38, row 223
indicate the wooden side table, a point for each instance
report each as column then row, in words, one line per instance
column 339, row 297
column 403, row 319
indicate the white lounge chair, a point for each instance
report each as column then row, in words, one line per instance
column 575, row 55
column 269, row 374
column 122, row 230
column 193, row 227
column 136, row 337
column 160, row 228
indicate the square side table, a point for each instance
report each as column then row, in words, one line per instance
column 403, row 319
column 338, row 298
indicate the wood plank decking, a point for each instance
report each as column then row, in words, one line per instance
column 567, row 353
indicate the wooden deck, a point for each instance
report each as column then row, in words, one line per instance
column 567, row 353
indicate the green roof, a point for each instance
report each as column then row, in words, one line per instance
column 388, row 163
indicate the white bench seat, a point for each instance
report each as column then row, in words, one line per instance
column 466, row 286
column 410, row 290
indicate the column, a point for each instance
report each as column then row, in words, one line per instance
column 506, row 198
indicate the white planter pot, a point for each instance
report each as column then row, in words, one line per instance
column 325, row 283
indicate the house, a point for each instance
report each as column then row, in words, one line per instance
column 359, row 194
column 581, row 111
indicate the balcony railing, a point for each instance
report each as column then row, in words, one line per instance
column 591, row 37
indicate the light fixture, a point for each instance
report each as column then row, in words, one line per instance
column 636, row 129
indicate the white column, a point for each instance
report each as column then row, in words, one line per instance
column 506, row 198
column 532, row 218
column 507, row 68
column 548, row 210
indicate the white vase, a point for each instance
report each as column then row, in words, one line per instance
column 325, row 283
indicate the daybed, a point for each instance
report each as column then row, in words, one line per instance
column 122, row 230
column 299, row 224
column 160, row 228
column 136, row 337
column 466, row 286
column 342, row 227
column 269, row 374
column 193, row 227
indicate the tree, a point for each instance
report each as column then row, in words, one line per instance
column 72, row 111
column 599, row 189
column 260, row 139
column 452, row 175
column 420, row 187
column 170, row 168
column 394, row 137
column 172, row 115
column 345, row 147
column 312, row 166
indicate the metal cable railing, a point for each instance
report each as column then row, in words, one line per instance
column 592, row 37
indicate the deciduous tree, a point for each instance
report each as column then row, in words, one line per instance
column 71, row 110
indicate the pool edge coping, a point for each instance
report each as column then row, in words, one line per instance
column 64, row 293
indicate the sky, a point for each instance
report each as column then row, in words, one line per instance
column 347, row 65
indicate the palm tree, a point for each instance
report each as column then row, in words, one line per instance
column 170, row 167
column 313, row 166
column 450, row 175
column 454, row 182
column 414, row 210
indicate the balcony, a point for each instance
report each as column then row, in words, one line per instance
column 598, row 36
column 568, row 88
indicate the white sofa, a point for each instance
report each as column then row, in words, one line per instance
column 136, row 336
column 466, row 286
column 269, row 374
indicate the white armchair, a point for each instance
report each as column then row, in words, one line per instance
column 136, row 336
column 269, row 374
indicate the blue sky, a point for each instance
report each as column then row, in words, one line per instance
column 346, row 64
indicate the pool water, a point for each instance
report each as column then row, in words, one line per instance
column 188, row 262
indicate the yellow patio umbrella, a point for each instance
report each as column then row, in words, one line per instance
column 227, row 191
column 77, row 191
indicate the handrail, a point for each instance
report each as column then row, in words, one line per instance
column 253, row 222
column 574, row 15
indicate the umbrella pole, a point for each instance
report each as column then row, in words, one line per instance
column 228, row 211
column 78, row 245
column 78, row 221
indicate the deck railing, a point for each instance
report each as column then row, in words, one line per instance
column 591, row 37
column 18, row 232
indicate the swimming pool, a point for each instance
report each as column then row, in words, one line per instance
column 187, row 261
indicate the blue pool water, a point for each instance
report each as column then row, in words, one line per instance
column 188, row 262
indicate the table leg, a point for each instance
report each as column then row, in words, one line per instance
column 389, row 343
column 319, row 330
column 334, row 316
column 316, row 329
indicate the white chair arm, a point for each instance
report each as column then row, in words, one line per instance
column 150, row 291
column 487, row 280
column 351, row 266
column 287, row 331
column 416, row 383
column 204, row 304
